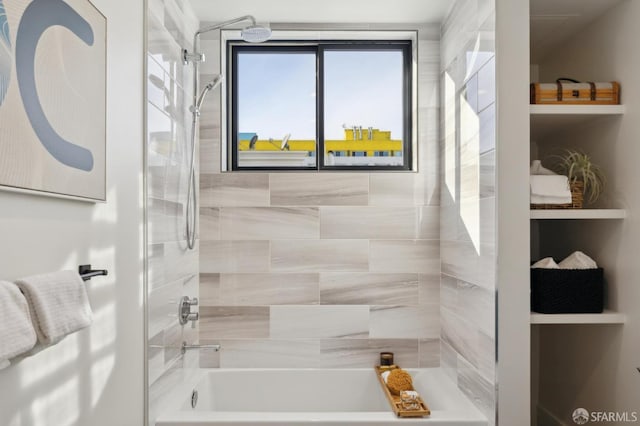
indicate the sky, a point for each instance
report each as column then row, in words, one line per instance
column 277, row 93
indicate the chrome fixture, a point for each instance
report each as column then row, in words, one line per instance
column 252, row 34
column 184, row 311
column 185, row 347
column 194, row 398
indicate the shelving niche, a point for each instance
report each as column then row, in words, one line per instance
column 555, row 34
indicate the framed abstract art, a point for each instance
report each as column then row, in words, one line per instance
column 53, row 98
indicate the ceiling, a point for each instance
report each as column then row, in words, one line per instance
column 553, row 21
column 325, row 11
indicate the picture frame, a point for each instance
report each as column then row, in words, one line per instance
column 53, row 98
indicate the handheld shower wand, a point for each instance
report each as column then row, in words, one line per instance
column 252, row 34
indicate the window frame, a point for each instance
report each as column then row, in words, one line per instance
column 406, row 43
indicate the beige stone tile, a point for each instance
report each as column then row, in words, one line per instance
column 234, row 256
column 319, row 255
column 267, row 223
column 410, row 256
column 316, row 189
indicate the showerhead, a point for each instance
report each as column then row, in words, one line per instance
column 210, row 85
column 256, row 34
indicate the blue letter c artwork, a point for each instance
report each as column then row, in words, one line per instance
column 5, row 53
column 37, row 18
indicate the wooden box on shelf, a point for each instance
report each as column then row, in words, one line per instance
column 575, row 93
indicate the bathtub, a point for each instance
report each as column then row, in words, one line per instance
column 322, row 397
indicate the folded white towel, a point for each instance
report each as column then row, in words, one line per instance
column 537, row 169
column 59, row 304
column 550, row 185
column 17, row 335
column 539, row 199
column 578, row 260
column 546, row 263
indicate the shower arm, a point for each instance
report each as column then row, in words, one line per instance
column 196, row 36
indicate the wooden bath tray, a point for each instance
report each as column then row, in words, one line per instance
column 396, row 404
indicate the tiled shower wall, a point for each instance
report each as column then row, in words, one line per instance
column 321, row 269
column 468, row 201
column 172, row 269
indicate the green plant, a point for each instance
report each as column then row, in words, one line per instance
column 577, row 166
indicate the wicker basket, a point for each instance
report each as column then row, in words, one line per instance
column 567, row 291
column 577, row 194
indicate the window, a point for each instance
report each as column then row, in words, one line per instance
column 320, row 105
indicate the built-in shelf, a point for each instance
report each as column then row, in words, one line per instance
column 607, row 317
column 552, row 118
column 578, row 214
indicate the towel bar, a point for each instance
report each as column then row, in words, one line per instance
column 86, row 273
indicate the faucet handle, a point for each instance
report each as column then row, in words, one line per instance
column 193, row 302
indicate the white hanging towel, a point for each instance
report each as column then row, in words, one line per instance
column 59, row 304
column 17, row 335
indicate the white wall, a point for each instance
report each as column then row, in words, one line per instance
column 512, row 163
column 94, row 377
column 595, row 366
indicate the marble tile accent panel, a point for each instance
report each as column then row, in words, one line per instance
column 234, row 189
column 476, row 305
column 155, row 175
column 412, row 322
column 261, row 353
column 289, row 322
column 313, row 189
column 155, row 357
column 471, row 92
column 178, row 262
column 172, row 342
column 487, row 84
column 268, row 223
column 429, row 352
column 379, row 222
column 209, row 154
column 448, row 292
column 163, row 216
column 209, row 358
column 401, row 189
column 163, row 306
column 234, row 256
column 319, row 255
column 449, row 361
column 429, row 288
column 349, row 288
column 461, row 335
column 488, row 174
column 155, row 256
column 488, row 128
column 462, row 260
column 365, row 353
column 486, row 356
column 407, row 256
column 209, row 289
column 265, row 290
column 209, row 223
column 229, row 322
column 478, row 389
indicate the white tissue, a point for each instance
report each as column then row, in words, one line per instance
column 546, row 263
column 578, row 260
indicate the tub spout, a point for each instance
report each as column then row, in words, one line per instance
column 185, row 346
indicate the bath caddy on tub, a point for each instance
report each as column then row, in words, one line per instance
column 396, row 403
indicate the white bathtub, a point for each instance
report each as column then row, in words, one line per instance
column 333, row 397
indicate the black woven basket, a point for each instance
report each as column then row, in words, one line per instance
column 567, row 291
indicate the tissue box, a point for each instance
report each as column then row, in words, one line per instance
column 567, row 291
